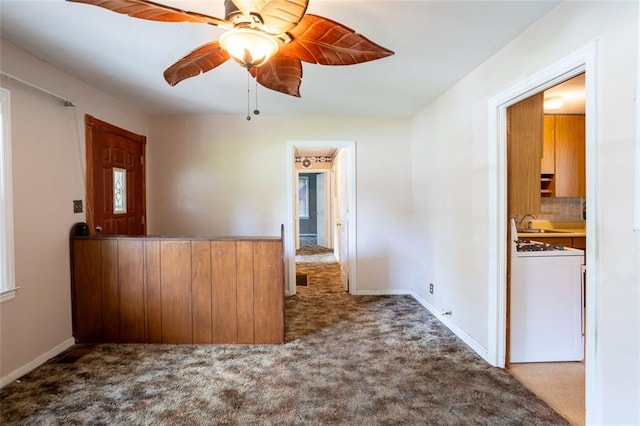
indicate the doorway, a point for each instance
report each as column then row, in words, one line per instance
column 546, row 186
column 582, row 61
column 332, row 165
column 315, row 217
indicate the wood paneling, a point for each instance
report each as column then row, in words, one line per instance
column 201, row 291
column 87, row 290
column 131, row 291
column 153, row 291
column 244, row 288
column 175, row 273
column 110, row 291
column 268, row 306
column 225, row 320
column 172, row 290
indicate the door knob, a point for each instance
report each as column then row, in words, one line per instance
column 98, row 228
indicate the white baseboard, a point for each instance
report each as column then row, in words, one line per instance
column 466, row 338
column 15, row 374
column 384, row 292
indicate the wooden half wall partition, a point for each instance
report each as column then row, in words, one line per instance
column 177, row 290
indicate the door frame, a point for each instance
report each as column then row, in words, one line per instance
column 584, row 60
column 349, row 147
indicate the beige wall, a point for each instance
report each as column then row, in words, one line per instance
column 222, row 175
column 452, row 217
column 48, row 169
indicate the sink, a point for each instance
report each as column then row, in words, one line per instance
column 540, row 231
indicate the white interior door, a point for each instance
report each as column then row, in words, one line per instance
column 296, row 208
column 321, row 209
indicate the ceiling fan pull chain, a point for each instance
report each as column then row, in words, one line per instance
column 256, row 111
column 248, row 96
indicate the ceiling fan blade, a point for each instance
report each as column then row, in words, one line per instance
column 201, row 60
column 154, row 11
column 322, row 41
column 247, row 6
column 280, row 16
column 281, row 74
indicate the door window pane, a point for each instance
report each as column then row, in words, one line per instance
column 119, row 190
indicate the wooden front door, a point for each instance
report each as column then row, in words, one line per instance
column 116, row 202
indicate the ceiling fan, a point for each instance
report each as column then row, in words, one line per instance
column 269, row 38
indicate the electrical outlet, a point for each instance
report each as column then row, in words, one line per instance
column 431, row 288
column 77, row 206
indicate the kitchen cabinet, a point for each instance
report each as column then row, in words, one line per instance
column 548, row 163
column 579, row 243
column 570, row 156
column 562, row 168
column 524, row 143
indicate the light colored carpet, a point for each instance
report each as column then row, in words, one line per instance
column 560, row 384
column 374, row 360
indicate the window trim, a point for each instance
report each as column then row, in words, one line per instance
column 7, row 260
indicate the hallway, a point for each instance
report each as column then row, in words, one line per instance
column 320, row 266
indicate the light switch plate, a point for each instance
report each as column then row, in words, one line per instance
column 77, row 206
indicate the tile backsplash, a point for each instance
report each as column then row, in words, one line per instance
column 569, row 208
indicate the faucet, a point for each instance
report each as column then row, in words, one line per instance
column 519, row 222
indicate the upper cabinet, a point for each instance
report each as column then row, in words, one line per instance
column 548, row 163
column 570, row 158
column 524, row 152
column 562, row 168
column 545, row 155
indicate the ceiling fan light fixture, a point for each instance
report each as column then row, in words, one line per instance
column 256, row 31
column 553, row 102
column 249, row 47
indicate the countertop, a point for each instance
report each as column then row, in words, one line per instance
column 562, row 228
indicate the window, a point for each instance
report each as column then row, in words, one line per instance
column 303, row 197
column 119, row 190
column 7, row 280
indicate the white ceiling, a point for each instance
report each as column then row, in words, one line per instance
column 572, row 93
column 436, row 43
